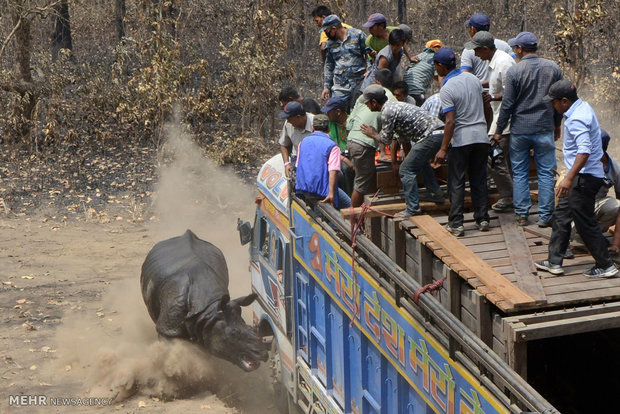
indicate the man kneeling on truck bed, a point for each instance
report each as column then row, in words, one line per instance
column 318, row 164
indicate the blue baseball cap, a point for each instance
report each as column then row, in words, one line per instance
column 373, row 19
column 330, row 21
column 292, row 108
column 335, row 102
column 444, row 55
column 480, row 21
column 525, row 40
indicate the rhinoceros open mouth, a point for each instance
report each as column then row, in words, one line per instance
column 247, row 363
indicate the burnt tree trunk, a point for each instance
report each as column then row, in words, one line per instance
column 402, row 11
column 24, row 86
column 61, row 38
column 119, row 18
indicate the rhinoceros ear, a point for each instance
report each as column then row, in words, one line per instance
column 246, row 300
column 224, row 301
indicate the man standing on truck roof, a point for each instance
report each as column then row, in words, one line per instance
column 318, row 14
column 345, row 61
column 318, row 165
column 533, row 125
column 483, row 44
column 606, row 208
column 412, row 125
column 480, row 22
column 297, row 126
column 362, row 148
column 468, row 117
column 577, row 191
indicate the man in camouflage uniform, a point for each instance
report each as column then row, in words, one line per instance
column 345, row 61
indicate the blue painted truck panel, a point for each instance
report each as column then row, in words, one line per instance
column 383, row 361
column 344, row 345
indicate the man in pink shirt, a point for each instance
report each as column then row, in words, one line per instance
column 318, row 165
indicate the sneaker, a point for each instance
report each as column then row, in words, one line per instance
column 598, row 272
column 402, row 214
column 522, row 221
column 543, row 224
column 547, row 266
column 483, row 225
column 456, row 231
column 405, row 214
column 502, row 205
column 568, row 254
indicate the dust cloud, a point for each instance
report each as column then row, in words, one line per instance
column 118, row 350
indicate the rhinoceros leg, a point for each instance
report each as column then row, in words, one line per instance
column 173, row 308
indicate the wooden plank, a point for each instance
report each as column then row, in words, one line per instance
column 377, row 209
column 482, row 239
column 453, row 286
column 521, row 259
column 556, row 315
column 551, row 329
column 584, row 285
column 373, row 226
column 397, row 235
column 485, row 324
column 425, row 260
column 482, row 270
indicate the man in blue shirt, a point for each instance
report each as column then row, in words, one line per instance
column 582, row 156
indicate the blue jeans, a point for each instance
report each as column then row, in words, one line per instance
column 344, row 201
column 544, row 156
column 418, row 162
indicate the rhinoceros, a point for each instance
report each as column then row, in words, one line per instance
column 184, row 284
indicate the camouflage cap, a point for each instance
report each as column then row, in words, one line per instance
column 320, row 122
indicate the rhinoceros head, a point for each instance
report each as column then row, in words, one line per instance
column 230, row 338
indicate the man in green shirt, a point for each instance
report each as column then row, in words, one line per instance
column 361, row 147
column 379, row 32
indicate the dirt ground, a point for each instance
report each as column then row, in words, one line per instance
column 73, row 323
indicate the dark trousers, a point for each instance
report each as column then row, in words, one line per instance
column 471, row 160
column 579, row 207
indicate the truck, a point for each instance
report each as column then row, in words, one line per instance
column 351, row 331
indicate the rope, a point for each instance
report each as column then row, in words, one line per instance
column 356, row 225
column 431, row 287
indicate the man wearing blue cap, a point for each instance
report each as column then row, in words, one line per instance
column 379, row 32
column 583, row 152
column 345, row 59
column 533, row 125
column 468, row 118
column 480, row 22
column 298, row 125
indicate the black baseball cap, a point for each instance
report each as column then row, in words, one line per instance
column 562, row 89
